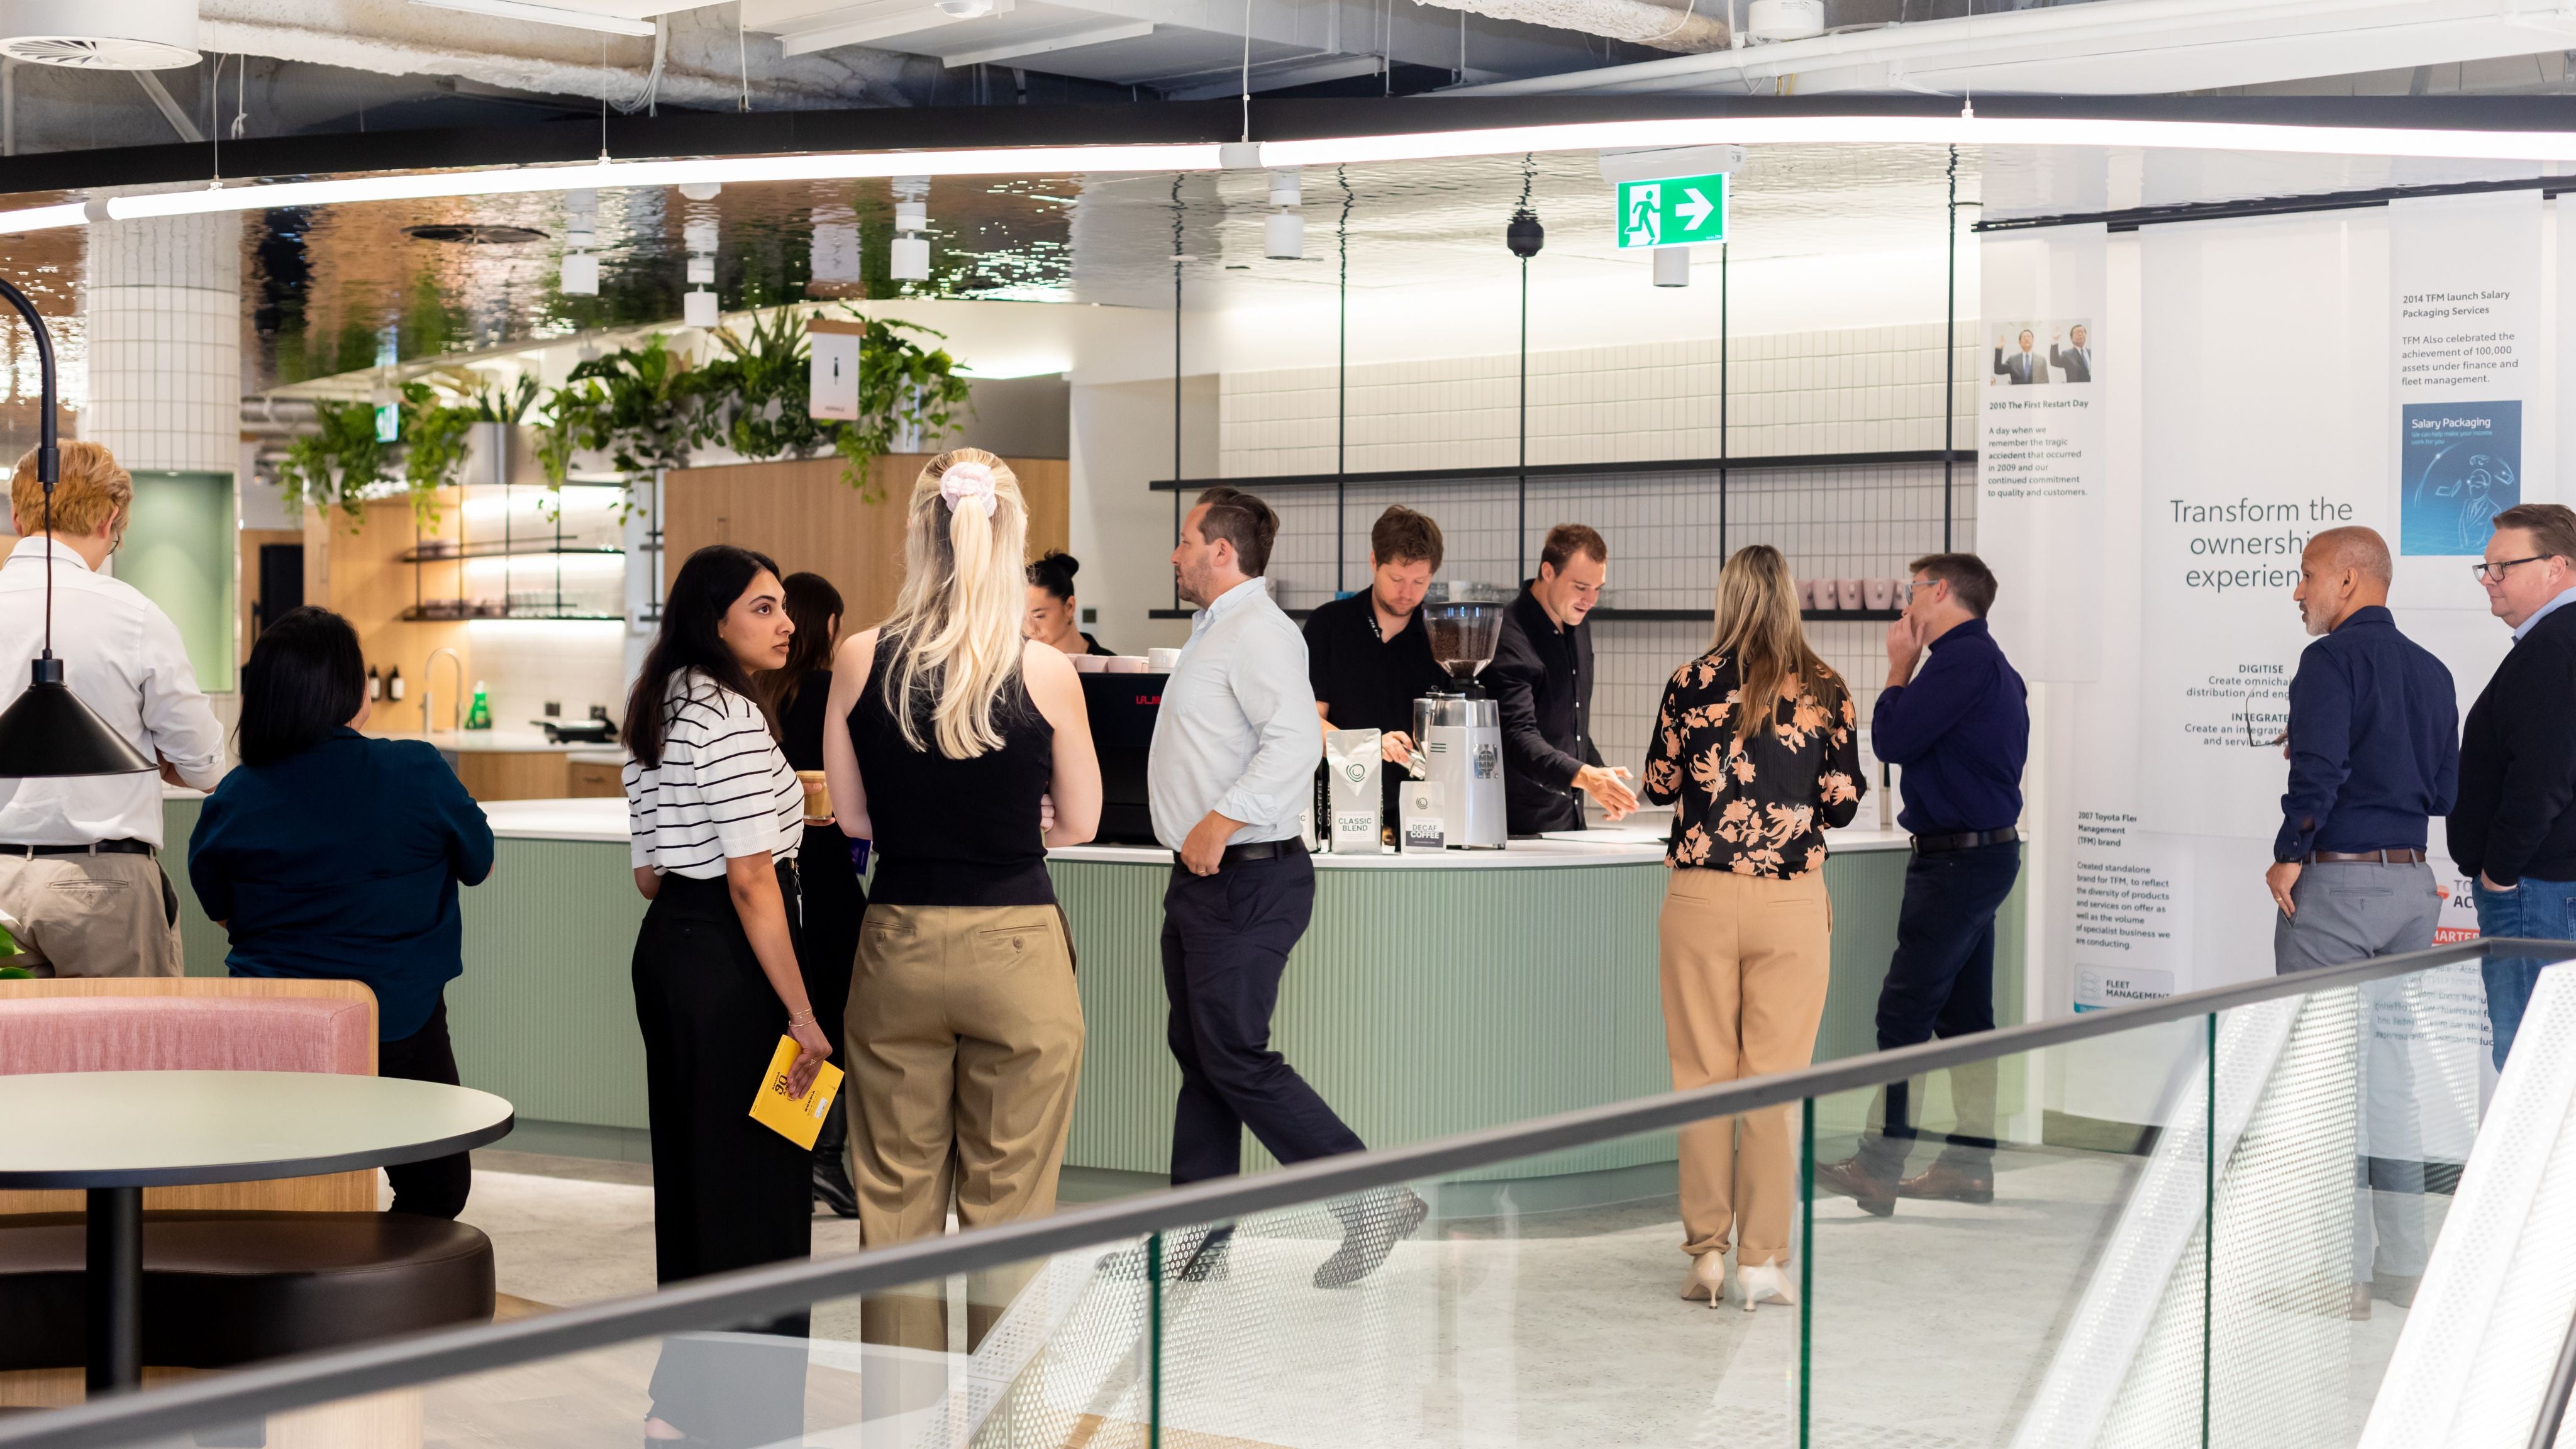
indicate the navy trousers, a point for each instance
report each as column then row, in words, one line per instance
column 1226, row 939
column 1941, row 983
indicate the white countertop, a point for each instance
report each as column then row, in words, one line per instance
column 605, row 820
column 490, row 742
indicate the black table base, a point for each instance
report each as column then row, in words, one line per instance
column 115, row 1287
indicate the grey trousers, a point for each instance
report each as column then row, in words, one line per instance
column 2351, row 911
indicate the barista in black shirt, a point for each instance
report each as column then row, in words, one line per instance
column 1541, row 679
column 1369, row 656
column 1052, row 609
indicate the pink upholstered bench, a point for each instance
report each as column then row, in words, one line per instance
column 244, row 1280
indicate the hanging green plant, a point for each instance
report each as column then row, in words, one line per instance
column 906, row 392
column 756, row 393
column 646, row 408
column 642, row 407
column 336, row 463
column 433, row 437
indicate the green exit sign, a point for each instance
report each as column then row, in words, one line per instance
column 1673, row 212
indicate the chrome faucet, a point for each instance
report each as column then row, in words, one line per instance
column 456, row 711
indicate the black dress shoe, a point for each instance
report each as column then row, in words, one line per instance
column 832, row 1186
column 1371, row 1229
column 1876, row 1195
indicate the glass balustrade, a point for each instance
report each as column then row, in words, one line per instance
column 2311, row 1219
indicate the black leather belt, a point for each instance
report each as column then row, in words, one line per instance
column 103, row 847
column 1258, row 850
column 1964, row 840
column 2399, row 855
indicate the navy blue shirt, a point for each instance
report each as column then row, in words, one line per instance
column 342, row 861
column 1960, row 732
column 2374, row 742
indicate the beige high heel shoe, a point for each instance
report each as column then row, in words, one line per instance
column 1706, row 1279
column 1759, row 1283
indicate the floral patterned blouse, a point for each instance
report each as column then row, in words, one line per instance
column 1757, row 805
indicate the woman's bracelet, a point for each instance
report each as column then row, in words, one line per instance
column 801, row 1018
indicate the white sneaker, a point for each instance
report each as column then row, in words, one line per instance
column 1758, row 1283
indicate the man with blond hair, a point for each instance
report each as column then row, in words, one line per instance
column 78, row 873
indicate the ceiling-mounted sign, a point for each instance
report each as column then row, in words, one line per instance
column 833, row 391
column 1672, row 212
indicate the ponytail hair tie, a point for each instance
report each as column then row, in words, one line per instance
column 968, row 482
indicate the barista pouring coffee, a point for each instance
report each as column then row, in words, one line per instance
column 1369, row 657
column 1542, row 678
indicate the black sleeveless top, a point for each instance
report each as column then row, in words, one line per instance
column 954, row 832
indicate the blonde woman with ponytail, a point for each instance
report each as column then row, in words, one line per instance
column 1755, row 748
column 962, row 752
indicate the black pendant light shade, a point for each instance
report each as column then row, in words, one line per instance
column 48, row 731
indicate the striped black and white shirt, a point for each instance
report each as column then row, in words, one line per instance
column 723, row 789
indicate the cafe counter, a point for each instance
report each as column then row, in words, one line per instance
column 1432, row 994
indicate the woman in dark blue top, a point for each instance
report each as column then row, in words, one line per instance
column 330, row 854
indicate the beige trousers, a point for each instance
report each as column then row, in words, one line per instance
column 91, row 915
column 965, row 1043
column 1744, row 964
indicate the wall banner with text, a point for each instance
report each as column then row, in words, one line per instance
column 2040, row 460
column 2467, row 339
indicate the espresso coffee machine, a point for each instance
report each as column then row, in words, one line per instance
column 1122, row 709
column 1459, row 730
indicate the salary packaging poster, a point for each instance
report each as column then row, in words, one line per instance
column 2466, row 359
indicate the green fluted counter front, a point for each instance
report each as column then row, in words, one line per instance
column 1427, row 997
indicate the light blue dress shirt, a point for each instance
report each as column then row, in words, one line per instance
column 2565, row 597
column 1237, row 732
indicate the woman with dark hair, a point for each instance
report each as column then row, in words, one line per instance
column 715, row 817
column 796, row 694
column 1052, row 613
column 330, row 854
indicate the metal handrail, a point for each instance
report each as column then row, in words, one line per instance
column 758, row 1294
column 2562, row 1384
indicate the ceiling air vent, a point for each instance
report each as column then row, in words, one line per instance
column 100, row 34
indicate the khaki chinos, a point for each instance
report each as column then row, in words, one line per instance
column 1744, row 961
column 85, row 914
column 965, row 1043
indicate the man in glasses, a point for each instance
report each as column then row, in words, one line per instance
column 2514, row 828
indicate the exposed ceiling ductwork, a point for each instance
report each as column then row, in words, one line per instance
column 1683, row 29
column 2104, row 47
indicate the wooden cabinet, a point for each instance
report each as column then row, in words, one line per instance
column 801, row 514
column 593, row 780
column 514, row 775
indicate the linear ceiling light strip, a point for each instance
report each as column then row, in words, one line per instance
column 1961, row 130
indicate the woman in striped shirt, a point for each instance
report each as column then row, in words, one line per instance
column 715, row 816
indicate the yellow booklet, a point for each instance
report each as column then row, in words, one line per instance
column 798, row 1119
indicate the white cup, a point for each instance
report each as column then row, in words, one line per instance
column 1089, row 663
column 1126, row 664
column 1882, row 594
column 1848, row 593
column 1162, row 661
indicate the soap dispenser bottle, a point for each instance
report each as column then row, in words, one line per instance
column 478, row 716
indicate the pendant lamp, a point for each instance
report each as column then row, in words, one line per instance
column 48, row 731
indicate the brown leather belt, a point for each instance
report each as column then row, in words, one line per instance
column 2369, row 857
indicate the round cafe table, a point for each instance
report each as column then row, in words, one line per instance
column 114, row 1134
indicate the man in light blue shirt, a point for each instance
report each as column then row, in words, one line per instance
column 1236, row 744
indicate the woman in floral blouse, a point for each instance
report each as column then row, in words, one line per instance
column 1746, row 928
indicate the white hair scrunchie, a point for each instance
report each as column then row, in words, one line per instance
column 968, row 482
